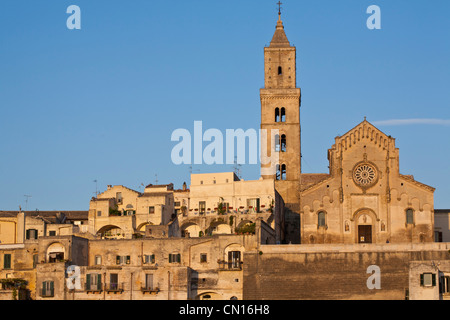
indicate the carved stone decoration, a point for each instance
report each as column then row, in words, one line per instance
column 365, row 175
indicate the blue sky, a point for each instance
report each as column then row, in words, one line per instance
column 101, row 103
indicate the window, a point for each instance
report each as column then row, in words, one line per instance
column 444, row 285
column 253, row 205
column 283, row 172
column 203, row 258
column 177, row 203
column 234, row 260
column 7, row 261
column 151, row 210
column 409, row 216
column 113, row 281
column 283, row 143
column 31, row 234
column 123, row 259
column 278, row 173
column 174, row 258
column 280, row 70
column 277, row 143
column 149, row 281
column 149, row 259
column 99, row 213
column 437, row 236
column 48, row 289
column 321, row 221
column 428, row 280
column 277, row 115
column 93, row 281
column 202, row 206
column 119, row 197
column 283, row 115
column 52, row 233
column 98, row 260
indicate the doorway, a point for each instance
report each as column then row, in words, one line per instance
column 364, row 234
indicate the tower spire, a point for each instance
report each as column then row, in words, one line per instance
column 279, row 38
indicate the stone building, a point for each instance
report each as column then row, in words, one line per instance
column 122, row 213
column 365, row 198
column 361, row 231
column 221, row 203
column 145, row 269
column 441, row 225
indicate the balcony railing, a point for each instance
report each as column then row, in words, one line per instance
column 150, row 290
column 114, row 287
column 230, row 265
column 93, row 287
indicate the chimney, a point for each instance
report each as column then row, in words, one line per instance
column 20, row 227
column 109, row 187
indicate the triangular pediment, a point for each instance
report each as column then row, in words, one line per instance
column 367, row 132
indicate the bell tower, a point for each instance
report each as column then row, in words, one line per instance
column 280, row 113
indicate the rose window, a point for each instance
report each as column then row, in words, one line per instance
column 365, row 175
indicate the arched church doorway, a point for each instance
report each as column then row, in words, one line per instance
column 365, row 226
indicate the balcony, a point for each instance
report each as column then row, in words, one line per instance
column 114, row 287
column 150, row 290
column 93, row 288
column 230, row 265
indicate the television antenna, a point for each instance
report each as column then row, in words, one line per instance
column 26, row 201
column 96, row 188
column 237, row 168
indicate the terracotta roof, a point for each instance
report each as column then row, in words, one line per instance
column 169, row 186
column 308, row 180
column 49, row 215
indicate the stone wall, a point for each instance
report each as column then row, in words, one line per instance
column 333, row 272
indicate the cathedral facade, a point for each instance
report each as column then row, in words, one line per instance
column 364, row 198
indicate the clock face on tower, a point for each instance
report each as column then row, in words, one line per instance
column 365, row 174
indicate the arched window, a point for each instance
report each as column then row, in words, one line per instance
column 283, row 143
column 321, row 221
column 283, row 172
column 277, row 115
column 409, row 216
column 283, row 115
column 277, row 143
column 278, row 173
column 280, row 70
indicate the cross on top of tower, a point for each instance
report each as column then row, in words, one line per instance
column 279, row 7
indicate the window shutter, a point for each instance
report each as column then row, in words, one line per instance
column 117, row 259
column 178, row 258
column 28, row 235
column 7, row 261
column 44, row 288
column 128, row 259
column 170, row 258
column 51, row 288
column 421, row 279
column 99, row 281
column 433, row 279
column 153, row 258
column 88, row 281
